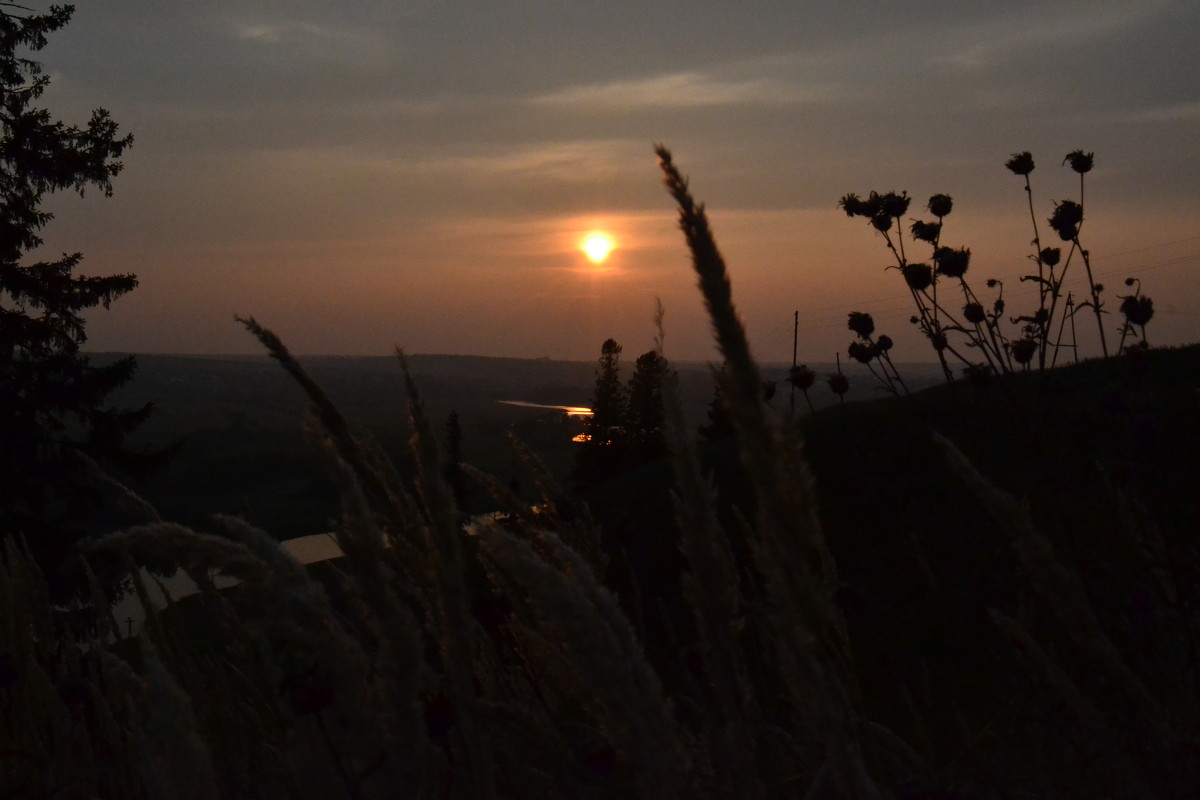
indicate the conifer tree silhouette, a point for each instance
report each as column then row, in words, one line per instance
column 602, row 455
column 52, row 398
column 646, row 414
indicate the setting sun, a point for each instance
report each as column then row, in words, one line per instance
column 597, row 246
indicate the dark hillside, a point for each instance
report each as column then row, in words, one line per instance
column 1106, row 455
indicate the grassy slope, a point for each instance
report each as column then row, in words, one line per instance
column 922, row 564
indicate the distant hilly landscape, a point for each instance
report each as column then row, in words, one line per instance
column 239, row 422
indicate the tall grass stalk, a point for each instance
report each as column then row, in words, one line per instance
column 790, row 549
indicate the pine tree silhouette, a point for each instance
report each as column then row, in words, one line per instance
column 52, row 398
column 647, row 438
column 602, row 455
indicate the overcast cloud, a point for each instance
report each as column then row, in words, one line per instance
column 363, row 174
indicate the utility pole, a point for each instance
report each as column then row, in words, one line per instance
column 795, row 338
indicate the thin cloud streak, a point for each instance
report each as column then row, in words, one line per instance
column 570, row 162
column 1173, row 113
column 1011, row 37
column 679, row 90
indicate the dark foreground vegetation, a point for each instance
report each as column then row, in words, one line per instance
column 987, row 590
column 966, row 592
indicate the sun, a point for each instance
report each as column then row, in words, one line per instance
column 597, row 246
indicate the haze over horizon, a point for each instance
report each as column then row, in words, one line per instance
column 422, row 173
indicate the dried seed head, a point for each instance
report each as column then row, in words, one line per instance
column 862, row 352
column 1137, row 310
column 862, row 324
column 853, row 205
column 801, row 377
column 940, row 205
column 1080, row 161
column 882, row 222
column 1023, row 350
column 1020, row 163
column 895, row 205
column 926, row 231
column 917, row 276
column 873, row 205
column 838, row 383
column 1066, row 218
column 1050, row 256
column 952, row 263
column 974, row 313
column 884, row 343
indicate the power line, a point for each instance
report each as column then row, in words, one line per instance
column 1144, row 267
column 1147, row 247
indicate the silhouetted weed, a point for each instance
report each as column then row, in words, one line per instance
column 976, row 336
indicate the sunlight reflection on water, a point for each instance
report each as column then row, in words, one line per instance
column 572, row 411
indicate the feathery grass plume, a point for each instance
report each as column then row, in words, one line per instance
column 430, row 531
column 790, row 550
column 1139, row 715
column 385, row 542
column 394, row 634
column 456, row 626
column 326, row 709
column 176, row 544
column 559, row 512
column 711, row 589
column 173, row 760
column 591, row 652
column 43, row 751
column 509, row 503
column 362, row 460
column 357, row 684
column 117, row 774
column 532, row 522
column 744, row 376
column 123, row 497
column 26, row 618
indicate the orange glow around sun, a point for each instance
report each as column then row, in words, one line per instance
column 597, row 246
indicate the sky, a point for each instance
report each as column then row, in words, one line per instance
column 361, row 175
